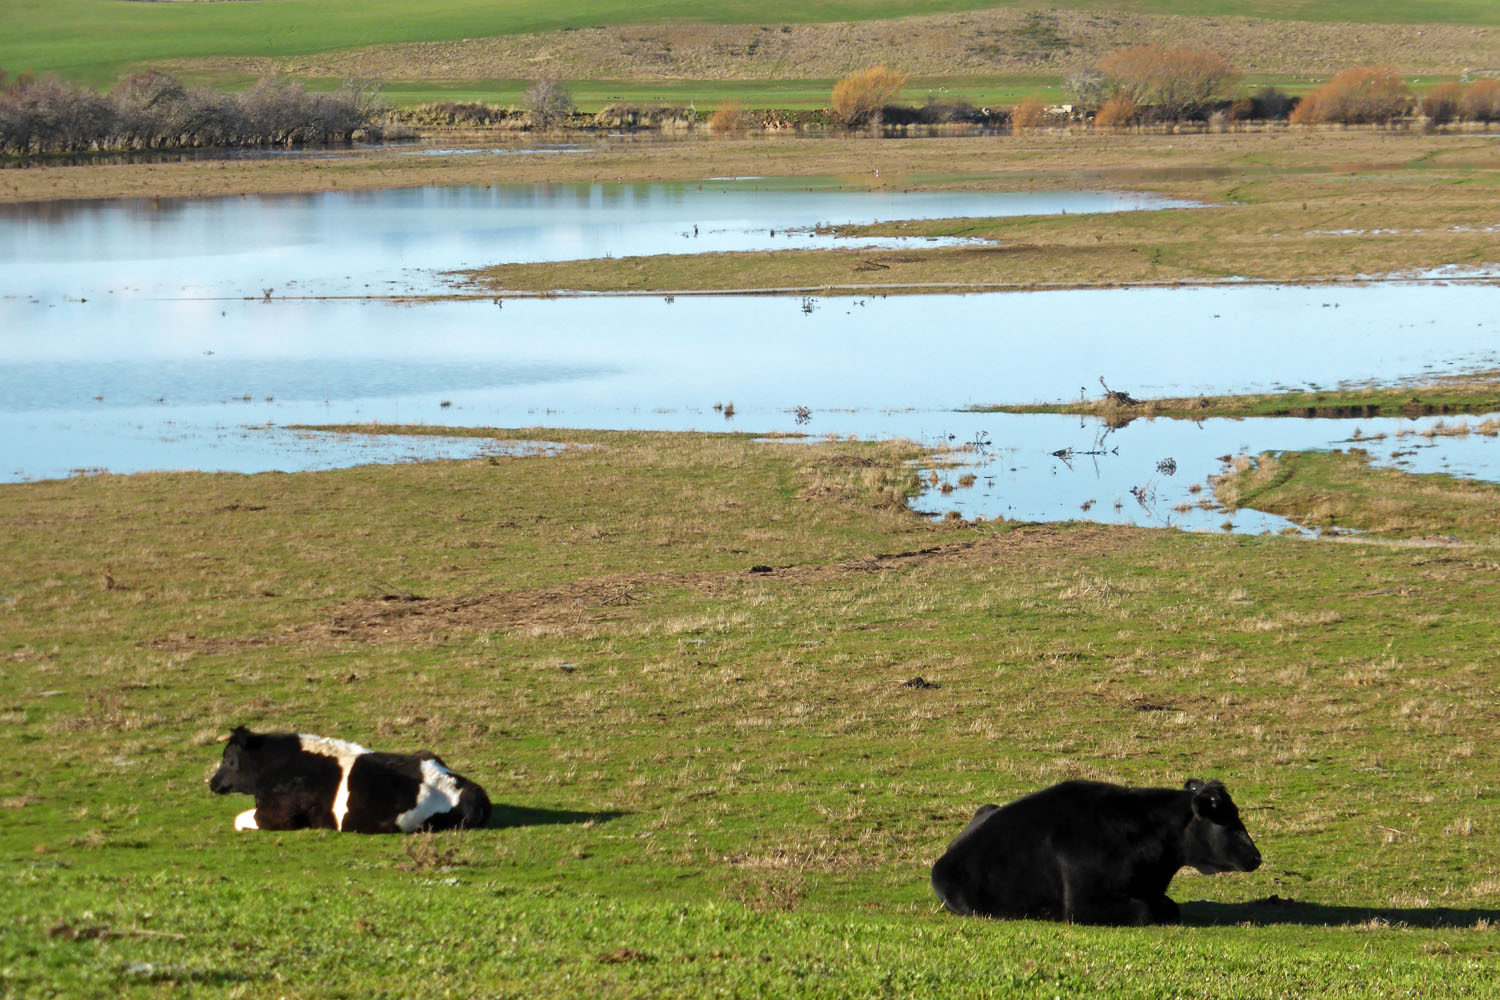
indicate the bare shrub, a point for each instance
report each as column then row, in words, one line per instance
column 1178, row 83
column 547, row 102
column 152, row 110
column 1269, row 104
column 1030, row 113
column 1442, row 103
column 1089, row 88
column 1118, row 110
column 1359, row 96
column 727, row 117
column 457, row 113
column 858, row 97
column 45, row 114
column 1481, row 101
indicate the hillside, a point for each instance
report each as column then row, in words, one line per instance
column 96, row 40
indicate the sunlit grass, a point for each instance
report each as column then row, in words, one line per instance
column 679, row 664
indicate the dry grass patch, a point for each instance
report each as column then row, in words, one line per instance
column 999, row 41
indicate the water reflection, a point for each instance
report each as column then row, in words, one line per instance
column 401, row 242
column 130, row 384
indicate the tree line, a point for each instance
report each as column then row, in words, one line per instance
column 1144, row 84
column 153, row 110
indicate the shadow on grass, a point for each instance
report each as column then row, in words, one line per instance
column 502, row 816
column 1275, row 910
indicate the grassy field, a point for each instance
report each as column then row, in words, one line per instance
column 713, row 780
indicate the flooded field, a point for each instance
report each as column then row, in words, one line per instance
column 403, row 242
column 192, row 334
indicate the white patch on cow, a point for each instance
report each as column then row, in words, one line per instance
column 246, row 821
column 438, row 793
column 344, row 752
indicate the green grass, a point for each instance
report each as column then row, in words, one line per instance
column 94, row 41
column 705, row 95
column 712, row 780
column 1453, row 394
column 1343, row 491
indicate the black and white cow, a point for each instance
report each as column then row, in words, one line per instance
column 302, row 781
column 1093, row 853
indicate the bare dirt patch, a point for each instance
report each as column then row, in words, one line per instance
column 585, row 604
column 987, row 42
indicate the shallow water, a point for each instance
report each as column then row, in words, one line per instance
column 402, row 242
column 150, row 375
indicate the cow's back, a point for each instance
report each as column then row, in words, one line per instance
column 1005, row 862
column 403, row 793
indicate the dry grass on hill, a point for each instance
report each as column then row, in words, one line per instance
column 987, row 42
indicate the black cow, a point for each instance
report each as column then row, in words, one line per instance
column 1091, row 853
column 302, row 781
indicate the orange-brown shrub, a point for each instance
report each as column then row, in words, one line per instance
column 1481, row 101
column 858, row 97
column 727, row 117
column 1178, row 83
column 1118, row 110
column 1030, row 113
column 1359, row 96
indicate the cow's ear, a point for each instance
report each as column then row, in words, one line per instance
column 1193, row 784
column 1209, row 800
column 239, row 736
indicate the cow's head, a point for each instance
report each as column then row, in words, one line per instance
column 236, row 771
column 1215, row 839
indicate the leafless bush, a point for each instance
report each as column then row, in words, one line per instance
column 471, row 113
column 1481, row 101
column 1359, row 96
column 728, row 117
column 1269, row 104
column 1030, row 113
column 47, row 114
column 858, row 97
column 547, row 102
column 153, row 111
column 1118, row 110
column 1177, row 84
column 1090, row 89
column 1443, row 103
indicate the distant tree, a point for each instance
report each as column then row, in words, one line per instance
column 1089, row 89
column 1481, row 101
column 858, row 97
column 1443, row 103
column 152, row 110
column 547, row 102
column 1177, row 83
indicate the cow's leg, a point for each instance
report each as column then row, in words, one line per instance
column 1085, row 904
column 1164, row 911
column 1116, row 910
column 246, row 821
